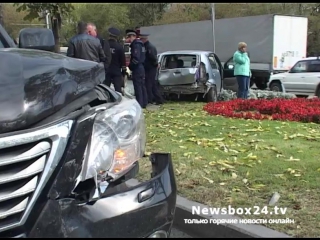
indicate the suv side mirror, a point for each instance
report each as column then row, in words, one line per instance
column 37, row 38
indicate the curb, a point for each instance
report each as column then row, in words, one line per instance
column 226, row 230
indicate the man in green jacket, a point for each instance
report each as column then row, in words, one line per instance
column 242, row 70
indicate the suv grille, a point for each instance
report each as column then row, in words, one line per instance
column 27, row 161
column 20, row 170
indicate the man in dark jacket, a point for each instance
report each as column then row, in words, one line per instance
column 150, row 66
column 92, row 30
column 117, row 69
column 85, row 47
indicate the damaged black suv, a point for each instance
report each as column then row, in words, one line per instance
column 69, row 145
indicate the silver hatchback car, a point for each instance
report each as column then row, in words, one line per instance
column 190, row 72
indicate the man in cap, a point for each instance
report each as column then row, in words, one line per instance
column 137, row 68
column 92, row 30
column 84, row 46
column 117, row 69
column 151, row 66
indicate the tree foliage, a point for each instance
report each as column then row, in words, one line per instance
column 145, row 14
column 179, row 13
column 102, row 15
column 125, row 16
column 105, row 15
column 14, row 21
column 56, row 10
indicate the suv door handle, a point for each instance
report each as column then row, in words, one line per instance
column 177, row 72
column 302, row 77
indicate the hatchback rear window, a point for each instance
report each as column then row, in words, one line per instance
column 180, row 61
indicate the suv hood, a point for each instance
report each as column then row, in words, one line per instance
column 35, row 84
column 279, row 75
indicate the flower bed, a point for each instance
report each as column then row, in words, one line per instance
column 296, row 109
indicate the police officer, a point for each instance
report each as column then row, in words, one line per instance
column 137, row 68
column 117, row 67
column 151, row 66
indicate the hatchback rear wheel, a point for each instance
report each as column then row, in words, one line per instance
column 212, row 95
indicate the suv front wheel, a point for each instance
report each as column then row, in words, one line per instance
column 276, row 87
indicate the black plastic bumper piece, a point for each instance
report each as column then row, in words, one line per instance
column 132, row 212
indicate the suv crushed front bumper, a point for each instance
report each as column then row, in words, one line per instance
column 138, row 211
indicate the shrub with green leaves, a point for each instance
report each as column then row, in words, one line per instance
column 226, row 95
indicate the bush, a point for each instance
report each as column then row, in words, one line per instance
column 226, row 95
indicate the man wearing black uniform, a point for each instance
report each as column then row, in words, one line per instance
column 85, row 47
column 150, row 66
column 137, row 59
column 117, row 69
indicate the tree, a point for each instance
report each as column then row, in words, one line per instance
column 145, row 14
column 56, row 10
column 185, row 12
column 102, row 15
column 14, row 21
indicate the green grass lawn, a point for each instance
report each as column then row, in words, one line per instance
column 220, row 161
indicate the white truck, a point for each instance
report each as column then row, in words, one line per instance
column 275, row 42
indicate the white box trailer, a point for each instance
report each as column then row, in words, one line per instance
column 275, row 42
column 290, row 35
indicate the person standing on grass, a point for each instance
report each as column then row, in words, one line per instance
column 151, row 66
column 138, row 56
column 117, row 69
column 242, row 70
column 84, row 46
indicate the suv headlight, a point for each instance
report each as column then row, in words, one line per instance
column 118, row 140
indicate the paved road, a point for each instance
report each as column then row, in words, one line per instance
column 175, row 233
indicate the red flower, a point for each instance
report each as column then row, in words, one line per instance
column 297, row 109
